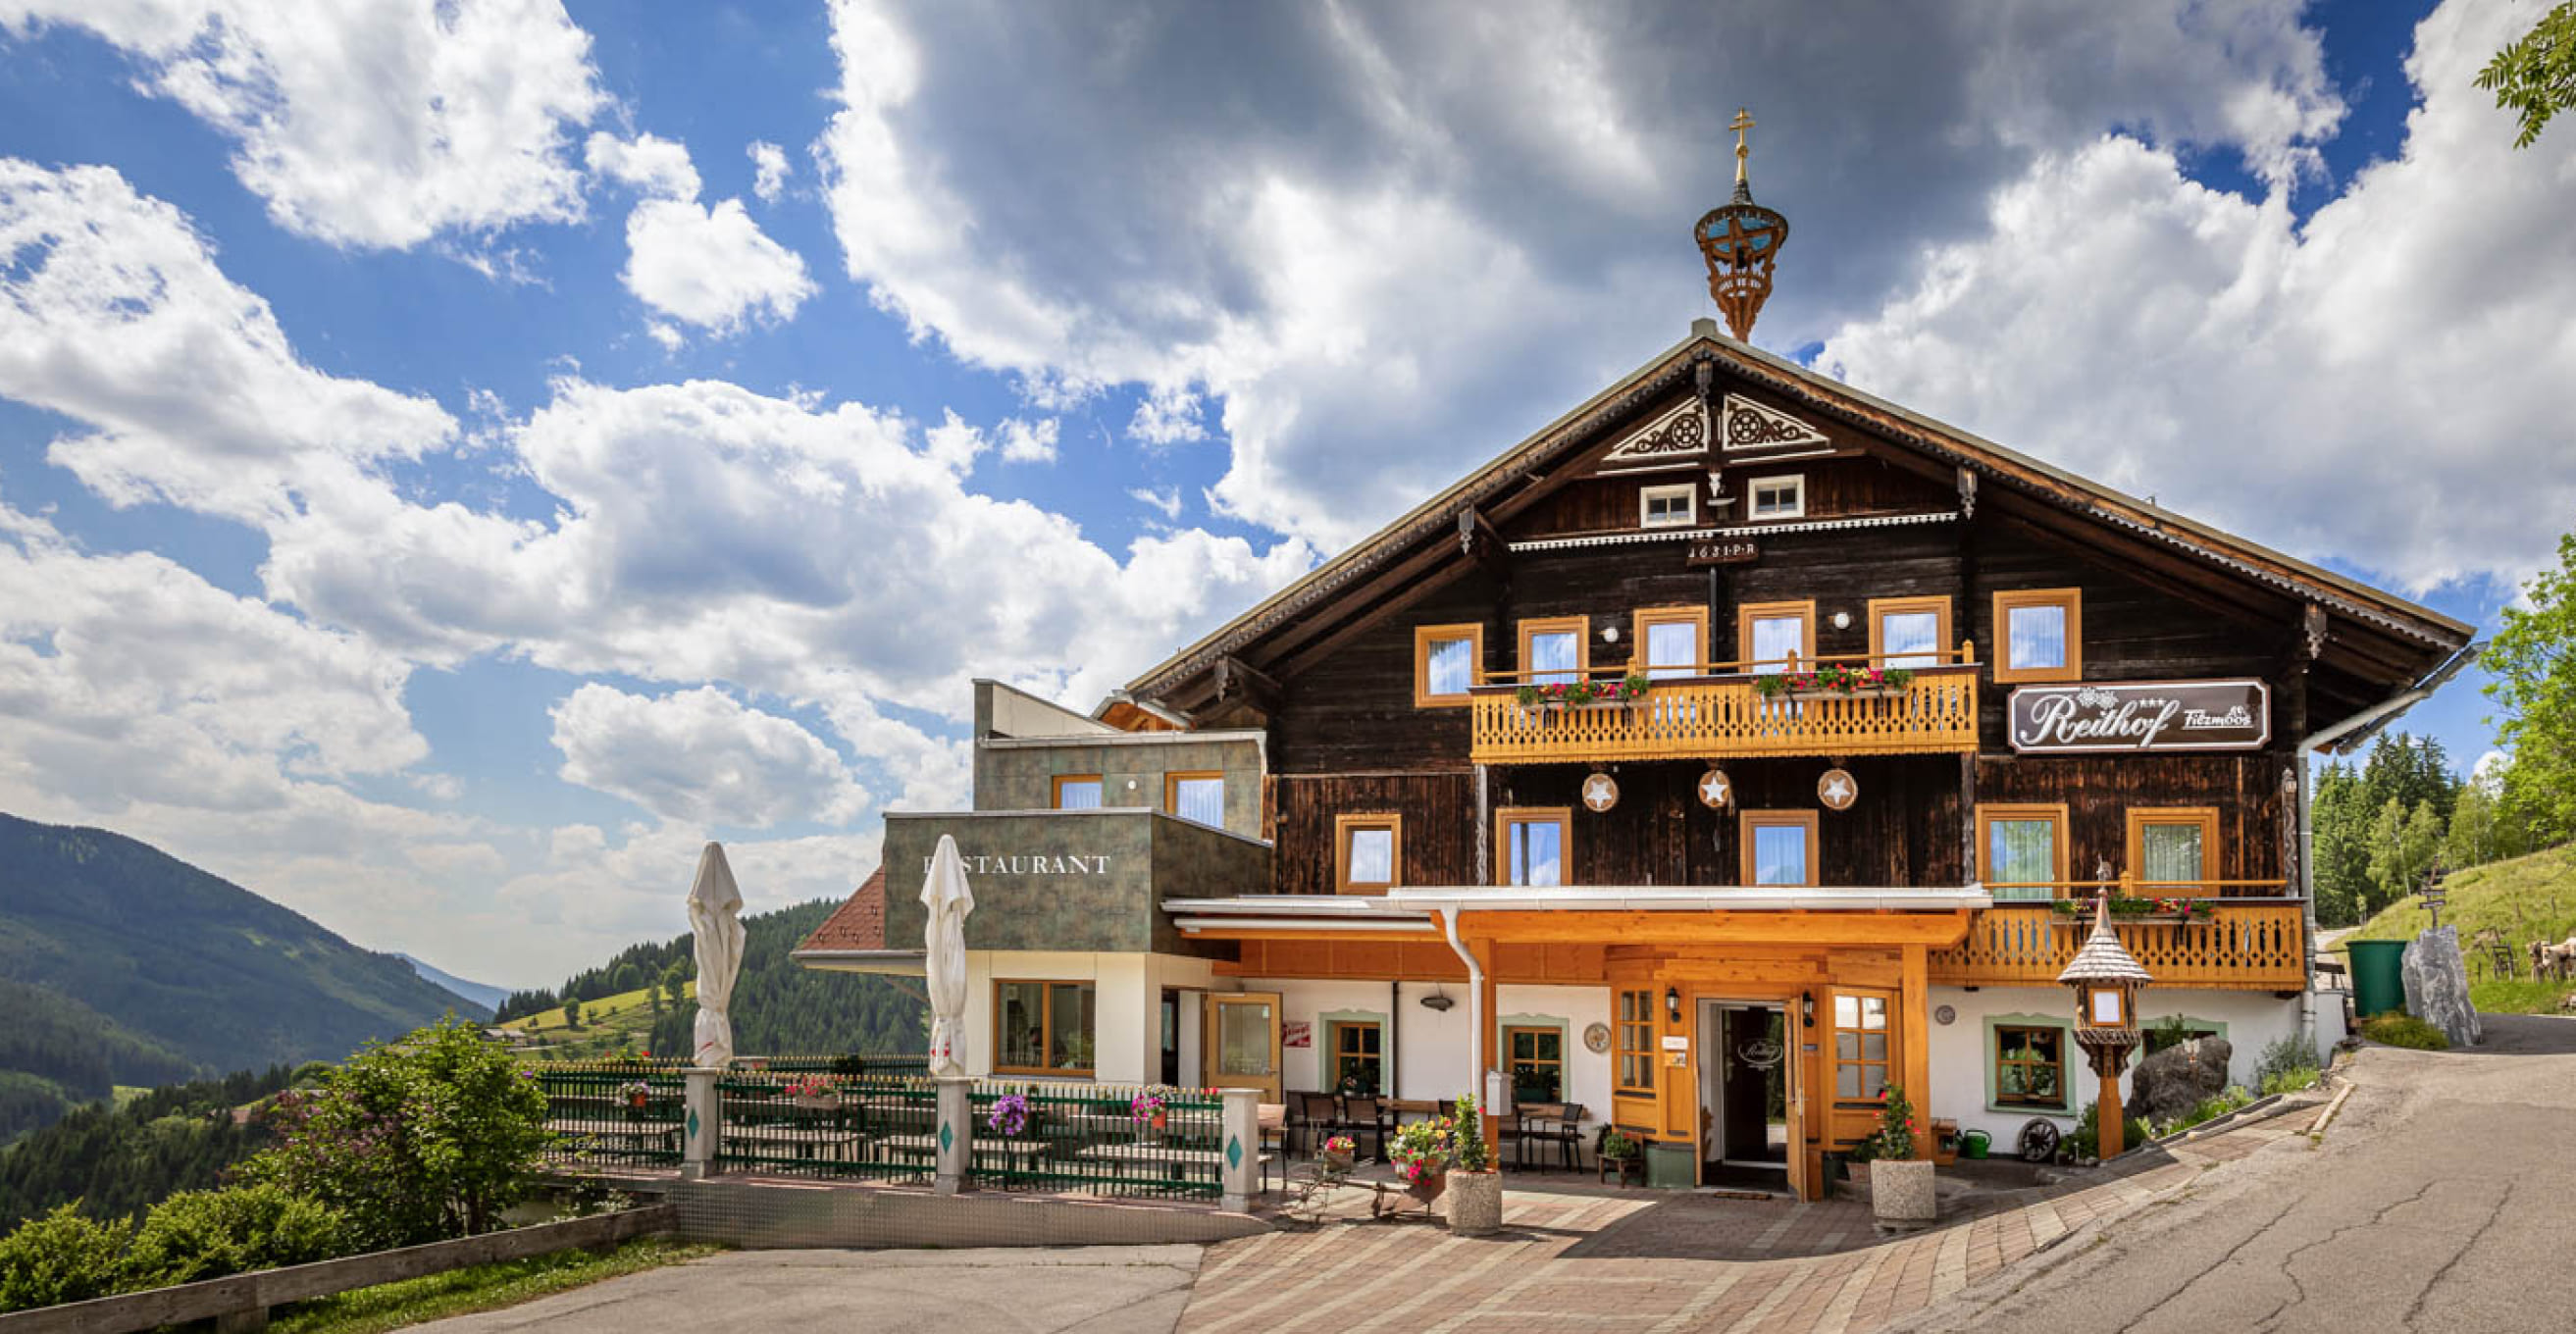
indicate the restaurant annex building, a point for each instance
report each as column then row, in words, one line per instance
column 1372, row 834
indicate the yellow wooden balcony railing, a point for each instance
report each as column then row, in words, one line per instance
column 1719, row 717
column 2242, row 944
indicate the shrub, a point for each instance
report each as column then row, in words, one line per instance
column 2404, row 1030
column 201, row 1234
column 62, row 1256
column 2086, row 1142
column 417, row 1141
column 2290, row 1080
column 2285, row 1054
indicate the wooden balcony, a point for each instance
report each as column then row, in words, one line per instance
column 1725, row 717
column 2245, row 944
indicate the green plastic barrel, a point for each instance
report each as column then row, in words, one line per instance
column 2378, row 977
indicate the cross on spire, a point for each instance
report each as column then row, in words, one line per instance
column 1742, row 125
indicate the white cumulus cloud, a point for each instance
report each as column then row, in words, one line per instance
column 770, row 170
column 711, row 267
column 701, row 756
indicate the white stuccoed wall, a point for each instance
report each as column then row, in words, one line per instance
column 1127, row 1029
column 1432, row 1059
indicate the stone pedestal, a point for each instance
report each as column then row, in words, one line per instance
column 1900, row 1192
column 1475, row 1203
column 956, row 1135
column 701, row 1124
column 2437, row 986
column 1239, row 1142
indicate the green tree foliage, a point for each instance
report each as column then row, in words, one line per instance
column 2411, row 771
column 117, row 1161
column 675, row 981
column 2403, row 845
column 2342, row 846
column 781, row 1008
column 627, row 977
column 521, row 1004
column 572, row 1014
column 202, row 1234
column 2535, row 76
column 64, row 1256
column 417, row 1141
column 2533, row 661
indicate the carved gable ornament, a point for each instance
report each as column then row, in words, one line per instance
column 1674, row 437
column 1751, row 426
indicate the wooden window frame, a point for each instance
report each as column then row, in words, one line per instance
column 1884, row 607
column 1748, row 821
column 1892, row 1066
column 1342, row 827
column 1172, row 791
column 1329, row 1077
column 1689, row 492
column 1504, row 1045
column 1753, row 497
column 1046, row 1024
column 2064, row 1101
column 1581, row 628
column 1620, row 1029
column 2072, row 599
column 2139, row 817
column 1055, row 789
column 1695, row 617
column 1560, row 816
column 1424, row 636
column 1747, row 613
column 2054, row 812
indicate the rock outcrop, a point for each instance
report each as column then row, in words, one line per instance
column 2179, row 1078
column 2437, row 986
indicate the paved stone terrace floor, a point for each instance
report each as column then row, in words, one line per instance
column 1615, row 1261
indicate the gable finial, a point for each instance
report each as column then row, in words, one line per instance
column 1740, row 241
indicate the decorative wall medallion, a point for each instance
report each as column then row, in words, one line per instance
column 1596, row 1038
column 1600, row 793
column 1944, row 1014
column 1749, row 425
column 1715, row 792
column 1837, row 790
column 1677, row 435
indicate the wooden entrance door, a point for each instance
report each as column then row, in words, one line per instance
column 1242, row 1045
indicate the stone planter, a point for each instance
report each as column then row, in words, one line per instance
column 1476, row 1203
column 1856, row 1180
column 1900, row 1193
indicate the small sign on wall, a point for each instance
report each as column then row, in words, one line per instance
column 1678, row 1042
column 1296, row 1033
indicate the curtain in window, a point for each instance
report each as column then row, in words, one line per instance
column 2171, row 852
column 1779, row 855
column 1069, row 1027
column 1023, row 1025
column 1372, row 857
column 1909, row 639
column 2037, row 637
column 1552, row 659
column 1453, row 666
column 1671, row 649
column 1537, row 849
column 1775, row 638
column 1082, row 796
column 1200, row 799
column 2021, row 852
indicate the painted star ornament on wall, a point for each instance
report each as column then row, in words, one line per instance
column 1600, row 792
column 1837, row 789
column 1714, row 791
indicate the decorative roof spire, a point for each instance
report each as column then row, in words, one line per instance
column 2103, row 958
column 1740, row 241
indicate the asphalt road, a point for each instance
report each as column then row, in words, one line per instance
column 2442, row 1198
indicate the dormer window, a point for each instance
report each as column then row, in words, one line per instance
column 1779, row 497
column 1674, row 506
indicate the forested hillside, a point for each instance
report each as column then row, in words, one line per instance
column 119, row 1161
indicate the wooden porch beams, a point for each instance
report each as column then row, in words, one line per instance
column 1724, row 927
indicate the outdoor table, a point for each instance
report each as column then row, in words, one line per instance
column 1020, row 1152
column 1125, row 1156
column 621, row 1136
column 843, row 1144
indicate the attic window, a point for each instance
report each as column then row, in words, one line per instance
column 1780, row 497
column 1668, row 506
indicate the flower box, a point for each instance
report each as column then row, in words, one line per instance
column 826, row 1102
column 1832, row 692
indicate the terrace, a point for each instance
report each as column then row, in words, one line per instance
column 1746, row 709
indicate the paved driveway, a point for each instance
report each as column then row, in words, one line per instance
column 2443, row 1198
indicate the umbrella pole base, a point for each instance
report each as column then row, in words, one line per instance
column 956, row 1134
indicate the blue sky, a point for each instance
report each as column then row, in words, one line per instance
column 420, row 426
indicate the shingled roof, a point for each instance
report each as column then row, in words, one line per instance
column 856, row 925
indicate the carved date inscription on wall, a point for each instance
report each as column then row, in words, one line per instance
column 1721, row 551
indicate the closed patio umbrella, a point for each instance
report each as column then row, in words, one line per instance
column 715, row 907
column 945, row 894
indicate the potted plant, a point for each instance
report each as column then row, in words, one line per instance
column 812, row 1091
column 635, row 1095
column 1557, row 695
column 1835, row 679
column 1421, row 1152
column 1337, row 1153
column 1009, row 1117
column 1619, row 1154
column 1148, row 1111
column 1900, row 1184
column 1475, row 1183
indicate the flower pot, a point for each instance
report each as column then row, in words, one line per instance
column 1429, row 1187
column 1476, row 1203
column 1337, row 1160
column 1900, row 1192
column 1828, row 692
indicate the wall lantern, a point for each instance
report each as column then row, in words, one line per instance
column 1807, row 1008
column 2106, row 981
column 1673, row 1002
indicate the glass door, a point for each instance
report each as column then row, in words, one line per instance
column 1242, row 1049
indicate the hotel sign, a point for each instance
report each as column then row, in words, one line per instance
column 2100, row 716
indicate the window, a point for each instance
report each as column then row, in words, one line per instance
column 1636, row 1041
column 1908, row 632
column 1077, row 792
column 1671, row 641
column 1447, row 661
column 1199, row 796
column 2030, row 1066
column 1042, row 1028
column 1860, row 1046
column 1537, row 1057
column 1779, row 498
column 1668, row 506
column 1534, row 841
column 1767, row 634
column 1368, row 853
column 1553, row 650
column 2021, row 850
column 2171, row 849
column 2040, row 634
column 1356, row 1067
column 1779, row 847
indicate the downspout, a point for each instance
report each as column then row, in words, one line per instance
column 1475, row 1017
column 2357, row 726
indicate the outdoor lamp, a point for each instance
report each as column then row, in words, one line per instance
column 2105, row 979
column 1807, row 1009
column 1673, row 1002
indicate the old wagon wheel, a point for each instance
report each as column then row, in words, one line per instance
column 2038, row 1140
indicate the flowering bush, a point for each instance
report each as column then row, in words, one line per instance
column 1147, row 1106
column 635, row 1093
column 1342, row 1144
column 1010, row 1115
column 1631, row 687
column 810, row 1086
column 1839, row 677
column 1423, row 1149
column 1894, row 1137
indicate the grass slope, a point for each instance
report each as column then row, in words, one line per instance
column 2524, row 898
column 609, row 1026
column 489, row 1287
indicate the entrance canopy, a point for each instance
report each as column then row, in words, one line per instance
column 1613, row 914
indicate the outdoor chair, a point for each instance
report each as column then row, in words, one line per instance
column 1319, row 1117
column 1560, row 1124
column 1365, row 1116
